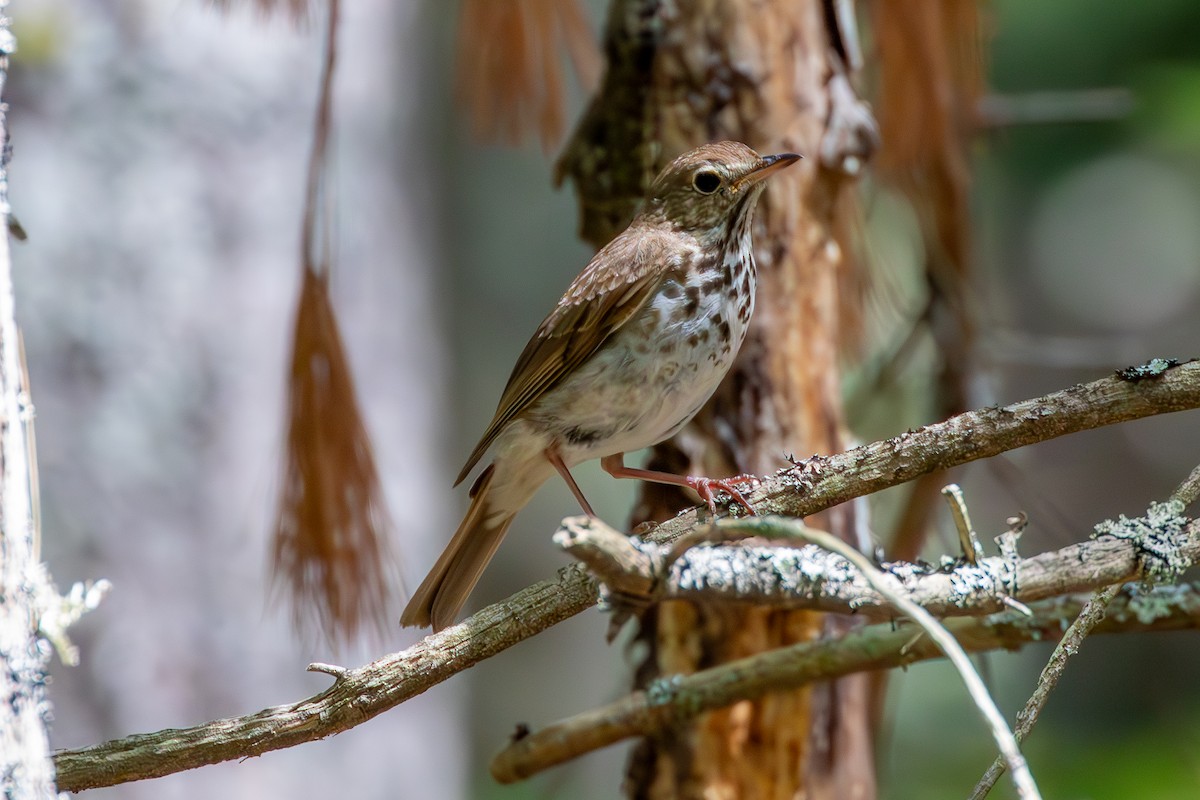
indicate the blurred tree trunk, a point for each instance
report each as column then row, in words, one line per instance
column 771, row 74
column 26, row 772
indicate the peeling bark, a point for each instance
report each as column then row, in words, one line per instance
column 682, row 74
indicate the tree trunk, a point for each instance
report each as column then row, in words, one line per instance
column 26, row 771
column 770, row 74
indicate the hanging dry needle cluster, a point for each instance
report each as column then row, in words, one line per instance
column 509, row 75
column 331, row 545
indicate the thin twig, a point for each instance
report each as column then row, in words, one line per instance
column 329, row 669
column 1068, row 646
column 1188, row 491
column 967, row 537
column 671, row 701
column 1055, row 108
column 776, row 528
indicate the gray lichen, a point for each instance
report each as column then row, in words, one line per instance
column 1160, row 602
column 1159, row 537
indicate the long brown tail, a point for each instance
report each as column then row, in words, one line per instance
column 445, row 589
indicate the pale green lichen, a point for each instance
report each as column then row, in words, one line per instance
column 662, row 691
column 1161, row 602
column 1159, row 537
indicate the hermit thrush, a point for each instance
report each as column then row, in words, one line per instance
column 631, row 352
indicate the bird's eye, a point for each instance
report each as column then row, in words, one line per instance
column 706, row 181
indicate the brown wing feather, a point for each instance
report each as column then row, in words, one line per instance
column 614, row 286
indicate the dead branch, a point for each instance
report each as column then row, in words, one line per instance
column 355, row 697
column 808, row 487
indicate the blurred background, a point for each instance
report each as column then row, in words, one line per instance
column 158, row 169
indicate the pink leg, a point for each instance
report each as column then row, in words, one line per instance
column 554, row 458
column 705, row 487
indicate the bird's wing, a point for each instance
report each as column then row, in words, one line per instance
column 614, row 286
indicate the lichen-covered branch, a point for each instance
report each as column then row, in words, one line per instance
column 790, row 529
column 671, row 701
column 784, row 576
column 811, row 486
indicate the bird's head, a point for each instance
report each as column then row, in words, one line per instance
column 709, row 189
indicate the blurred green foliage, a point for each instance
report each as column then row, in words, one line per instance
column 1125, row 722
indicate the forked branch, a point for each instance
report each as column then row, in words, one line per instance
column 804, row 489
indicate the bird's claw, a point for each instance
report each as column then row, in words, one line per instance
column 707, row 488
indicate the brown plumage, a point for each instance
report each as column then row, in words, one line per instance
column 633, row 349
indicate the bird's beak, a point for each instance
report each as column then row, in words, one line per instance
column 768, row 167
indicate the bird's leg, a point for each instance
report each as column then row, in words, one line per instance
column 552, row 455
column 705, row 487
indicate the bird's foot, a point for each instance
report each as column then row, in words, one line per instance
column 707, row 488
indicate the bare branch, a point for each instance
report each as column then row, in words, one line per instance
column 356, row 696
column 821, row 482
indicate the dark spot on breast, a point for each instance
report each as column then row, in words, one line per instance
column 711, row 285
column 727, row 274
column 671, row 290
column 744, row 287
column 722, row 328
column 693, row 340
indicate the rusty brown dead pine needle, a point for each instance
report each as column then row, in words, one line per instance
column 331, row 546
column 509, row 75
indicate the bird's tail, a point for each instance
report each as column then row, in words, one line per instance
column 445, row 589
